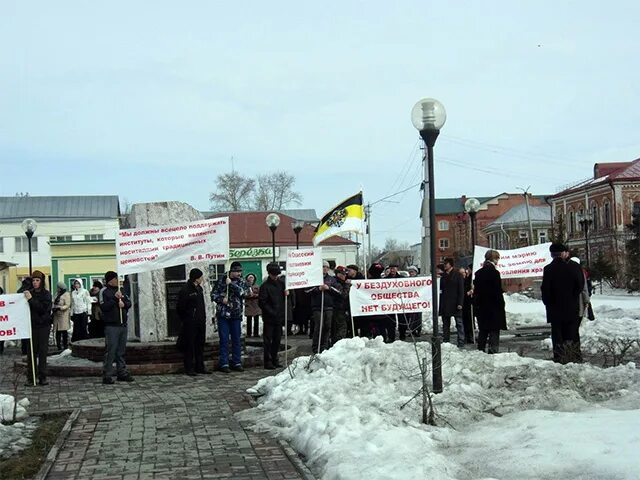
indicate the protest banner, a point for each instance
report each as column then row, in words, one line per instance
column 390, row 296
column 15, row 317
column 150, row 248
column 304, row 268
column 517, row 263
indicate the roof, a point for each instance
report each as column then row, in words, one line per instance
column 47, row 209
column 518, row 214
column 607, row 173
column 248, row 229
column 305, row 214
column 454, row 205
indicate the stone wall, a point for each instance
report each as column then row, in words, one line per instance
column 148, row 317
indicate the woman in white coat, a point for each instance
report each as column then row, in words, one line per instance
column 80, row 310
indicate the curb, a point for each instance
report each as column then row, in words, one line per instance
column 62, row 437
column 297, row 462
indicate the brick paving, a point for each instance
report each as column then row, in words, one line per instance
column 158, row 427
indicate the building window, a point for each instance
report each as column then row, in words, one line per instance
column 60, row 238
column 523, row 235
column 443, row 225
column 215, row 272
column 22, row 244
column 572, row 223
column 595, row 217
column 1, row 245
column 444, row 243
column 99, row 236
column 607, row 215
column 542, row 236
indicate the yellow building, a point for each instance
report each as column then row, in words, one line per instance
column 86, row 259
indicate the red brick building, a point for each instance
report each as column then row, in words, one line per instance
column 607, row 201
column 453, row 225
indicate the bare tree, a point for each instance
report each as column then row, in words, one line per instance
column 233, row 192
column 275, row 191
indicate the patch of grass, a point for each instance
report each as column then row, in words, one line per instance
column 26, row 463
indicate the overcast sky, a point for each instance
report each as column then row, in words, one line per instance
column 151, row 100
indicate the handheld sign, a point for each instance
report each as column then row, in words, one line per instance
column 517, row 263
column 390, row 296
column 15, row 317
column 304, row 268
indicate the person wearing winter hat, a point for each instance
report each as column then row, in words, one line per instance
column 228, row 294
column 61, row 323
column 193, row 315
column 115, row 306
column 80, row 310
column 322, row 300
column 562, row 285
column 271, row 299
column 40, row 307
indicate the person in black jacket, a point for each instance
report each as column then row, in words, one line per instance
column 271, row 299
column 451, row 301
column 488, row 303
column 115, row 306
column 467, row 313
column 40, row 306
column 361, row 324
column 562, row 284
column 322, row 299
column 192, row 312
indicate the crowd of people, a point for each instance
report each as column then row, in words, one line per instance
column 321, row 312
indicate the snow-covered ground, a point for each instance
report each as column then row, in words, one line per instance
column 17, row 436
column 500, row 416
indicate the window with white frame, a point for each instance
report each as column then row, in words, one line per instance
column 542, row 236
column 523, row 234
column 99, row 236
column 22, row 244
column 444, row 243
column 443, row 225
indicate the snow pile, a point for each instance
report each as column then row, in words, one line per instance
column 7, row 405
column 519, row 298
column 343, row 412
column 17, row 436
column 611, row 336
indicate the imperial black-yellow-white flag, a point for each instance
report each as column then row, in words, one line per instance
column 346, row 217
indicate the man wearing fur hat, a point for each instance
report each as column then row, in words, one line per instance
column 228, row 295
column 272, row 298
column 192, row 312
column 115, row 305
column 562, row 285
column 40, row 306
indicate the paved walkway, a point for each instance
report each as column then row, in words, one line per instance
column 158, row 427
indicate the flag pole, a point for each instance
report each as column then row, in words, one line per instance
column 321, row 320
column 365, row 232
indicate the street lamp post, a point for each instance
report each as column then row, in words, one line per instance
column 29, row 226
column 635, row 213
column 297, row 226
column 471, row 206
column 585, row 221
column 428, row 117
column 273, row 220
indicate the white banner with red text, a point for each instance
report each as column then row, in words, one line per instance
column 15, row 317
column 387, row 296
column 517, row 263
column 304, row 268
column 151, row 248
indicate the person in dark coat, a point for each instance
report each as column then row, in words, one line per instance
column 467, row 311
column 1, row 341
column 451, row 301
column 562, row 284
column 341, row 320
column 488, row 303
column 115, row 306
column 271, row 299
column 361, row 324
column 322, row 299
column 193, row 315
column 40, row 307
column 375, row 323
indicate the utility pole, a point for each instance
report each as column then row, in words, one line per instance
column 526, row 201
column 425, row 255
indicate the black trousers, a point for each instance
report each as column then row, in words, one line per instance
column 40, row 341
column 194, row 336
column 467, row 323
column 565, row 337
column 271, row 335
column 253, row 321
column 79, row 327
column 62, row 339
column 493, row 336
